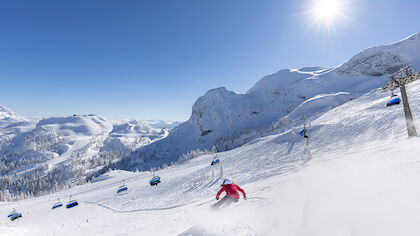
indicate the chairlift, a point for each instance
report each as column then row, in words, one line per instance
column 215, row 161
column 15, row 216
column 57, row 204
column 304, row 134
column 122, row 188
column 155, row 180
column 395, row 100
column 71, row 203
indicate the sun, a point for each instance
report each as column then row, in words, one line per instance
column 327, row 10
column 328, row 13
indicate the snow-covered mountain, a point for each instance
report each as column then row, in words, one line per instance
column 221, row 116
column 162, row 124
column 136, row 134
column 8, row 115
column 363, row 180
column 38, row 156
column 383, row 60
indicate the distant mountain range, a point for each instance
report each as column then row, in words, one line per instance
column 60, row 149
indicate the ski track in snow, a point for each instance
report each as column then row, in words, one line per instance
column 362, row 181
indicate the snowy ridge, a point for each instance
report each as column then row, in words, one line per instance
column 8, row 115
column 378, row 61
column 288, row 94
column 136, row 134
column 86, row 125
column 133, row 127
column 162, row 124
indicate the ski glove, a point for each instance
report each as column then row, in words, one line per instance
column 217, row 198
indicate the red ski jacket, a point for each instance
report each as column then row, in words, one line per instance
column 231, row 191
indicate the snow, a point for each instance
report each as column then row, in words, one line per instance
column 86, row 125
column 62, row 148
column 137, row 132
column 6, row 114
column 362, row 181
column 378, row 61
column 162, row 124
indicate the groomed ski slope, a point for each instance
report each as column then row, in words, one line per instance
column 364, row 179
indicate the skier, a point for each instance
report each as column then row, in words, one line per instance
column 232, row 194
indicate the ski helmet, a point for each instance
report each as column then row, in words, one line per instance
column 227, row 181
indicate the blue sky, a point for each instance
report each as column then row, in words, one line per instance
column 149, row 59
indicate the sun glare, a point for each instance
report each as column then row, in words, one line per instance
column 327, row 13
column 327, row 9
